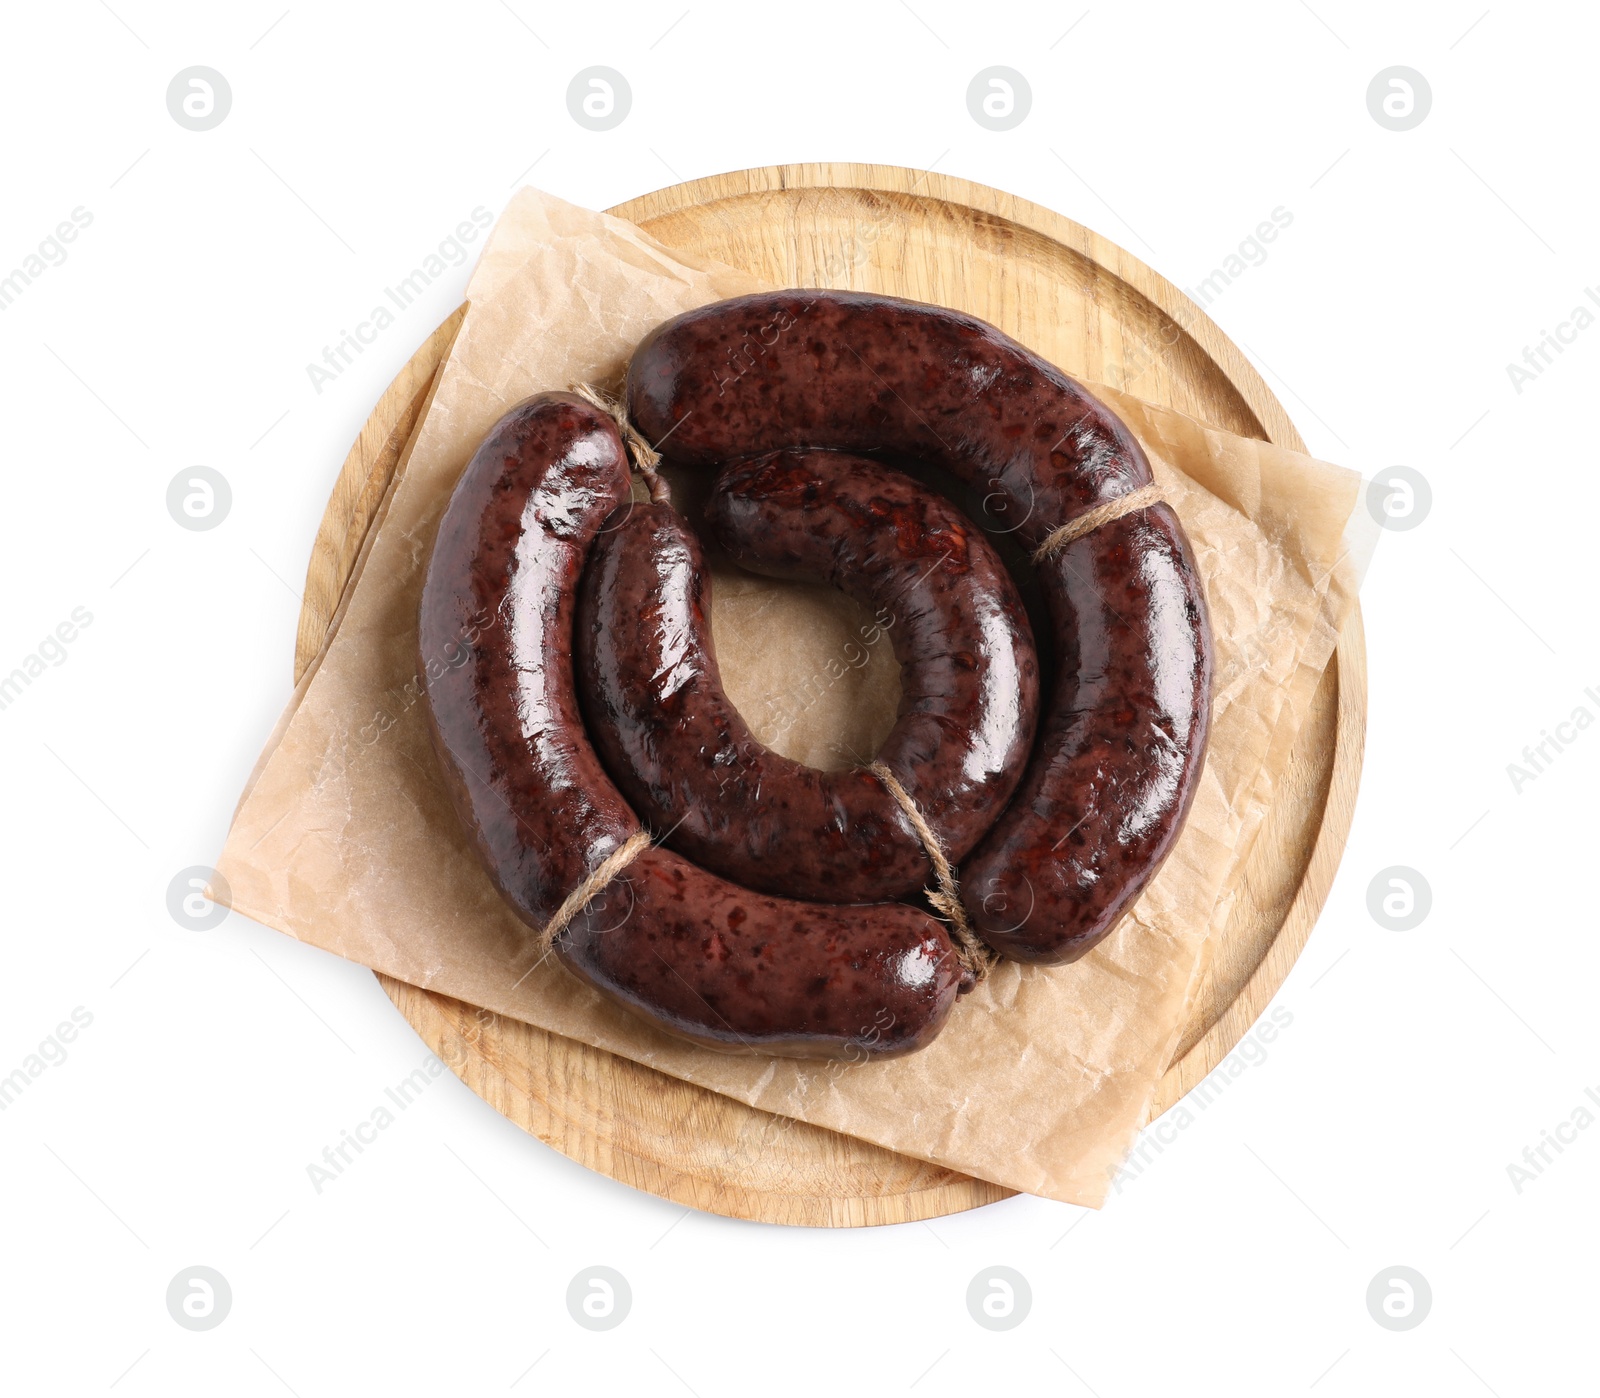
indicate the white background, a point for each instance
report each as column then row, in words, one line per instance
column 1377, row 1129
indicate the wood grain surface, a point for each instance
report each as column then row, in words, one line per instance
column 1099, row 313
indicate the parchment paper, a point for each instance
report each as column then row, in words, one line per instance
column 345, row 837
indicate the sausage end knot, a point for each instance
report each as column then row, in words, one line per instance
column 645, row 457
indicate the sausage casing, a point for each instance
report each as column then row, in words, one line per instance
column 696, row 956
column 691, row 766
column 1122, row 744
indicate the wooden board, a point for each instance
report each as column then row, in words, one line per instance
column 1099, row 313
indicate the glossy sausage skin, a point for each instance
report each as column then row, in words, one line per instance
column 691, row 767
column 1123, row 743
column 852, row 371
column 1120, row 747
column 694, row 955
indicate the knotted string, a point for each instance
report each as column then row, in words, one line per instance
column 580, row 897
column 1087, row 523
column 972, row 953
column 645, row 457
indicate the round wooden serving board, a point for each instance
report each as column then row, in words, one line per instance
column 1100, row 314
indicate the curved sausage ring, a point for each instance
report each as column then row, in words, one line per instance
column 1121, row 749
column 694, row 955
column 688, row 763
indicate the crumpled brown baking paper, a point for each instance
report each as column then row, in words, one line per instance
column 345, row 837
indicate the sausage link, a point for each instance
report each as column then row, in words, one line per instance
column 687, row 761
column 1119, row 749
column 1122, row 749
column 853, row 371
column 722, row 966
